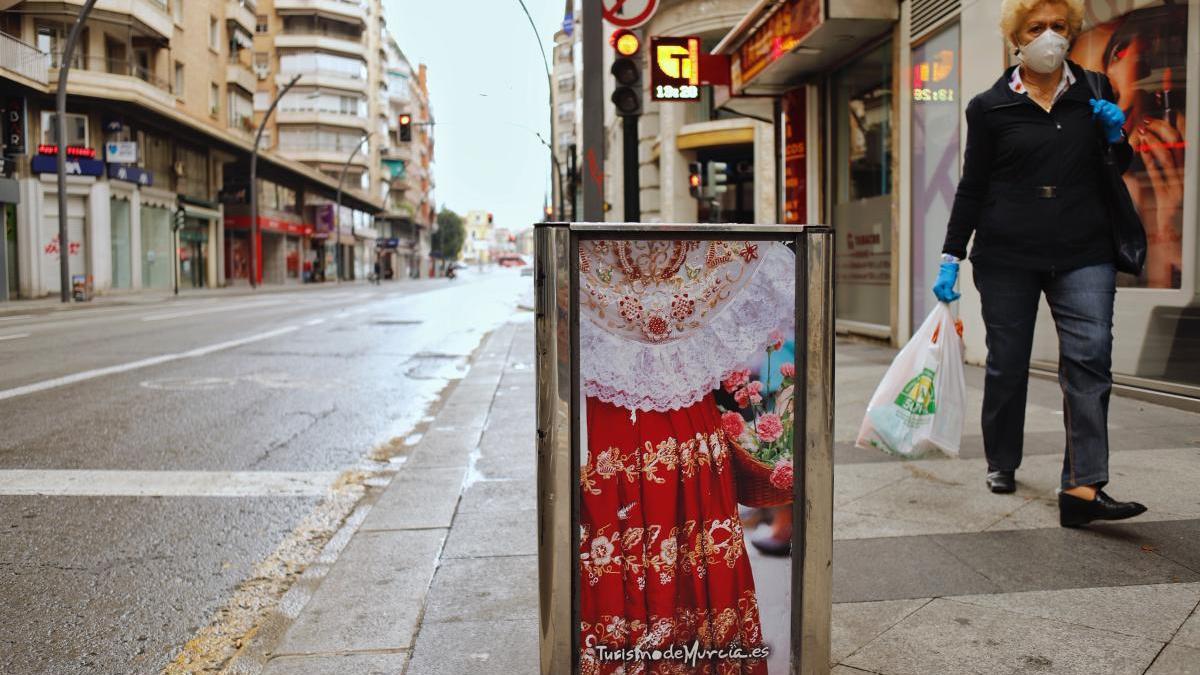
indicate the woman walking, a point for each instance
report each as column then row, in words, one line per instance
column 1031, row 193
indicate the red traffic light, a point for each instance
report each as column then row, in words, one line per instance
column 694, row 180
column 626, row 42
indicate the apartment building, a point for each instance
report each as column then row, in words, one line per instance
column 164, row 97
column 566, row 120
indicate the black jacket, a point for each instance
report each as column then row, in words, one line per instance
column 1031, row 183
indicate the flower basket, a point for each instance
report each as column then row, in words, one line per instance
column 753, row 479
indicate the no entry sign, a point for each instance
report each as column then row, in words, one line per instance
column 629, row 13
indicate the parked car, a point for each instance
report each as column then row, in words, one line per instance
column 510, row 260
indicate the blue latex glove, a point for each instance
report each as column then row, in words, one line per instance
column 1111, row 118
column 943, row 288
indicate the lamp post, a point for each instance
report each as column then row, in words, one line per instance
column 550, row 98
column 254, row 182
column 337, row 208
column 64, row 67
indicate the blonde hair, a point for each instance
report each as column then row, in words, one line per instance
column 1014, row 12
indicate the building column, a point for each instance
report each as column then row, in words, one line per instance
column 135, row 239
column 98, row 236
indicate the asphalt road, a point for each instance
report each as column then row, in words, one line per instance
column 152, row 456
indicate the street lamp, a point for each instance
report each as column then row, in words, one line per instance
column 64, row 244
column 337, row 209
column 254, row 182
column 550, row 96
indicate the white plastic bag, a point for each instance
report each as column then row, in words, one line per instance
column 918, row 407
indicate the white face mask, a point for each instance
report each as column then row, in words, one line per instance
column 1045, row 53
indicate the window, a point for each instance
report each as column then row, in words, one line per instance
column 291, row 63
column 178, row 79
column 262, row 100
column 77, row 129
column 241, row 112
column 262, row 60
column 177, row 11
column 214, row 99
column 214, row 34
column 262, row 24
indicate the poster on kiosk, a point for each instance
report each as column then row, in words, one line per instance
column 685, row 473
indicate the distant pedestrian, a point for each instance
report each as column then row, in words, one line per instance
column 1031, row 193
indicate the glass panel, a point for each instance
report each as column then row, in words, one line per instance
column 122, row 247
column 10, row 251
column 862, row 204
column 936, row 110
column 156, row 248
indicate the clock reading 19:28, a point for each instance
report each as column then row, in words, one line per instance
column 670, row 91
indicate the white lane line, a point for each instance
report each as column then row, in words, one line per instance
column 144, row 363
column 107, row 483
column 179, row 314
column 314, row 322
column 14, row 336
column 16, row 318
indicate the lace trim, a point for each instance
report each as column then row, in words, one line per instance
column 673, row 375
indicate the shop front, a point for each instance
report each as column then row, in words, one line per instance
column 830, row 70
column 157, row 240
column 280, row 245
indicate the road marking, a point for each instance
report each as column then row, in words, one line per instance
column 16, row 318
column 144, row 363
column 179, row 314
column 108, row 483
column 314, row 322
column 14, row 336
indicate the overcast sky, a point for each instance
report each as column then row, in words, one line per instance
column 487, row 82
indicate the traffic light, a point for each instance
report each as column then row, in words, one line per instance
column 627, row 71
column 716, row 177
column 405, row 128
column 696, row 179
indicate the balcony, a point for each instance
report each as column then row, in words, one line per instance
column 116, row 79
column 320, row 42
column 324, row 154
column 241, row 12
column 323, row 118
column 23, row 61
column 340, row 10
column 325, row 80
column 149, row 16
column 241, row 76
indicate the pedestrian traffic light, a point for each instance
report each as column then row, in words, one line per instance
column 627, row 71
column 405, row 128
column 716, row 177
column 695, row 179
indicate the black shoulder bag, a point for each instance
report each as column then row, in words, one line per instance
column 1129, row 235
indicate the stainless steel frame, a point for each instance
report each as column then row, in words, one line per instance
column 558, row 416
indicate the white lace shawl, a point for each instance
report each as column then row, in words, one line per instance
column 662, row 323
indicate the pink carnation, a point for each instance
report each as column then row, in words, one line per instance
column 736, row 379
column 782, row 475
column 733, row 424
column 769, row 428
column 776, row 341
column 788, row 369
column 751, row 393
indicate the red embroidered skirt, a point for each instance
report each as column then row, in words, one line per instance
column 663, row 562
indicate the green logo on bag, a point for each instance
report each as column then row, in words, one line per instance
column 918, row 398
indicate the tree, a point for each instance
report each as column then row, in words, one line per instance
column 449, row 236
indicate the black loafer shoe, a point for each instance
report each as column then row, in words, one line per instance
column 776, row 548
column 1073, row 511
column 1002, row 482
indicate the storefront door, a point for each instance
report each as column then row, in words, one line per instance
column 193, row 253
column 862, row 119
column 122, row 244
column 50, row 247
column 157, row 245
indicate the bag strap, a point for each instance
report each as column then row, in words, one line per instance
column 1093, row 83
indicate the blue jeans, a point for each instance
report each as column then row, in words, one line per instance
column 1081, row 301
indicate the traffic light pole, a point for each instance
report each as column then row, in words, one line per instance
column 629, row 164
column 591, row 165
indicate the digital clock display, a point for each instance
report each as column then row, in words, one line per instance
column 926, row 94
column 687, row 92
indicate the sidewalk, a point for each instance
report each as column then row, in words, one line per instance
column 932, row 573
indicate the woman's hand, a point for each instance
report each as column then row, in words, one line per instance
column 1161, row 148
column 943, row 288
column 1111, row 118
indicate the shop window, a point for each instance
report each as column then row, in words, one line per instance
column 76, row 128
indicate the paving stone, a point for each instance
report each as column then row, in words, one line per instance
column 855, row 624
column 443, row 449
column 338, row 664
column 371, row 599
column 951, row 637
column 499, row 495
column 1189, row 633
column 1152, row 612
column 483, row 589
column 901, row 568
column 1176, row 660
column 417, row 498
column 493, row 533
column 1107, row 555
column 477, row 647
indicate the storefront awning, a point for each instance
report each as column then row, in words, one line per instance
column 780, row 42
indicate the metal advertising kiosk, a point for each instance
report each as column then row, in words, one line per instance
column 685, row 453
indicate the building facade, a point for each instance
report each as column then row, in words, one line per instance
column 851, row 115
column 162, row 108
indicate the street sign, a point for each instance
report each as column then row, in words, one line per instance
column 628, row 13
column 120, row 152
column 674, row 68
